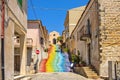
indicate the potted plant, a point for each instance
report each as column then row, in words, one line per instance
column 46, row 50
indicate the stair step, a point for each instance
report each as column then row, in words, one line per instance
column 93, row 77
column 86, row 68
column 26, row 78
column 90, row 73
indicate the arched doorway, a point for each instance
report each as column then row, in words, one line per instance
column 54, row 41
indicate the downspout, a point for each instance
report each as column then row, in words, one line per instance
column 2, row 40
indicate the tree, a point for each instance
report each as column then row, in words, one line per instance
column 60, row 39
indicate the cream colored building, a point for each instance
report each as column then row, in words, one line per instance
column 63, row 36
column 71, row 20
column 34, row 32
column 97, row 36
column 15, row 24
column 53, row 37
column 38, row 34
column 46, row 37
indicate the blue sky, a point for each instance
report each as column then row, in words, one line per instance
column 52, row 13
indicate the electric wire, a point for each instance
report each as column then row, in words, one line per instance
column 33, row 9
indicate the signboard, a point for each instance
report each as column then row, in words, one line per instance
column 37, row 52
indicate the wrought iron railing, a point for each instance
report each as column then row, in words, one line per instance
column 29, row 42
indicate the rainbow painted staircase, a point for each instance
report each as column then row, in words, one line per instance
column 56, row 61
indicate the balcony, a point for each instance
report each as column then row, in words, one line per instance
column 29, row 42
column 85, row 37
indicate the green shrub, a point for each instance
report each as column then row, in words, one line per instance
column 75, row 58
column 46, row 50
column 65, row 49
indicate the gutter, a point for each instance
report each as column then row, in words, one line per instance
column 2, row 40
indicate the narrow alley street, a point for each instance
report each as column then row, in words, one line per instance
column 58, row 76
column 60, row 40
column 56, row 67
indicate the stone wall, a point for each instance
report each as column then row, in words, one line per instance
column 109, row 11
column 9, row 51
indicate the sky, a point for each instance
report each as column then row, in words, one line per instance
column 52, row 13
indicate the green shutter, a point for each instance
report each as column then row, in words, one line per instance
column 20, row 2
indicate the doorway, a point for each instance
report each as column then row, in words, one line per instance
column 89, row 54
column 17, row 61
column 89, row 32
column 54, row 41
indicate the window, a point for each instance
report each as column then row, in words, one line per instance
column 41, row 40
column 54, row 41
column 53, row 34
column 88, row 27
column 80, row 33
column 20, row 3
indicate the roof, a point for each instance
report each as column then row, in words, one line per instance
column 90, row 1
column 81, row 8
column 73, row 15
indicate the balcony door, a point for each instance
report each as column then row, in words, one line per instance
column 89, row 54
column 89, row 45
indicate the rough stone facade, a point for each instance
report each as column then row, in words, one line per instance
column 109, row 27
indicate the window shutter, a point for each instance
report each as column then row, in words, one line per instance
column 20, row 3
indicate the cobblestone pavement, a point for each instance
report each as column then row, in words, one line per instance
column 58, row 76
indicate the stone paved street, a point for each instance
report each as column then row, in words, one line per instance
column 58, row 76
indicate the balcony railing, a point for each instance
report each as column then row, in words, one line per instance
column 29, row 42
column 84, row 37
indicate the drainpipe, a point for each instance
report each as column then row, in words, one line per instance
column 2, row 40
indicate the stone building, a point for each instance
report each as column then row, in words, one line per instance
column 39, row 36
column 46, row 37
column 15, row 24
column 53, row 37
column 71, row 20
column 97, row 37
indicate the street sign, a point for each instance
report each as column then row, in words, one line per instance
column 37, row 52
